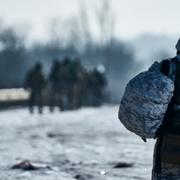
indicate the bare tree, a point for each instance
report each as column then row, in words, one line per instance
column 55, row 32
column 101, row 13
column 105, row 20
column 84, row 22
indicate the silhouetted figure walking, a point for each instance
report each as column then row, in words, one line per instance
column 77, row 84
column 35, row 81
column 96, row 84
column 101, row 83
column 55, row 86
column 66, row 81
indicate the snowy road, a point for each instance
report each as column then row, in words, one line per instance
column 83, row 144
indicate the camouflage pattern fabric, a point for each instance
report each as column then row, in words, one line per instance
column 168, row 171
column 145, row 101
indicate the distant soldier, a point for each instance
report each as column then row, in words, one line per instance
column 55, row 85
column 77, row 83
column 35, row 81
column 84, row 86
column 96, row 86
column 66, row 81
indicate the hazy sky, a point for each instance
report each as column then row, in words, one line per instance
column 133, row 17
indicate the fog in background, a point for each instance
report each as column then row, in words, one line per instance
column 126, row 37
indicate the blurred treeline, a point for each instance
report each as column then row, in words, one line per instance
column 74, row 38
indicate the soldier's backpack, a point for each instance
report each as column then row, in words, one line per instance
column 145, row 101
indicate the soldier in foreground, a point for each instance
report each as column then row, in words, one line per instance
column 150, row 108
column 35, row 82
column 167, row 149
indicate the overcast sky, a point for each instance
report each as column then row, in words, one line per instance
column 133, row 17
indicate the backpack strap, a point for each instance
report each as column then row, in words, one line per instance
column 165, row 69
column 165, row 66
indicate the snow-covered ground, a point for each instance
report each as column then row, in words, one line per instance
column 85, row 144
